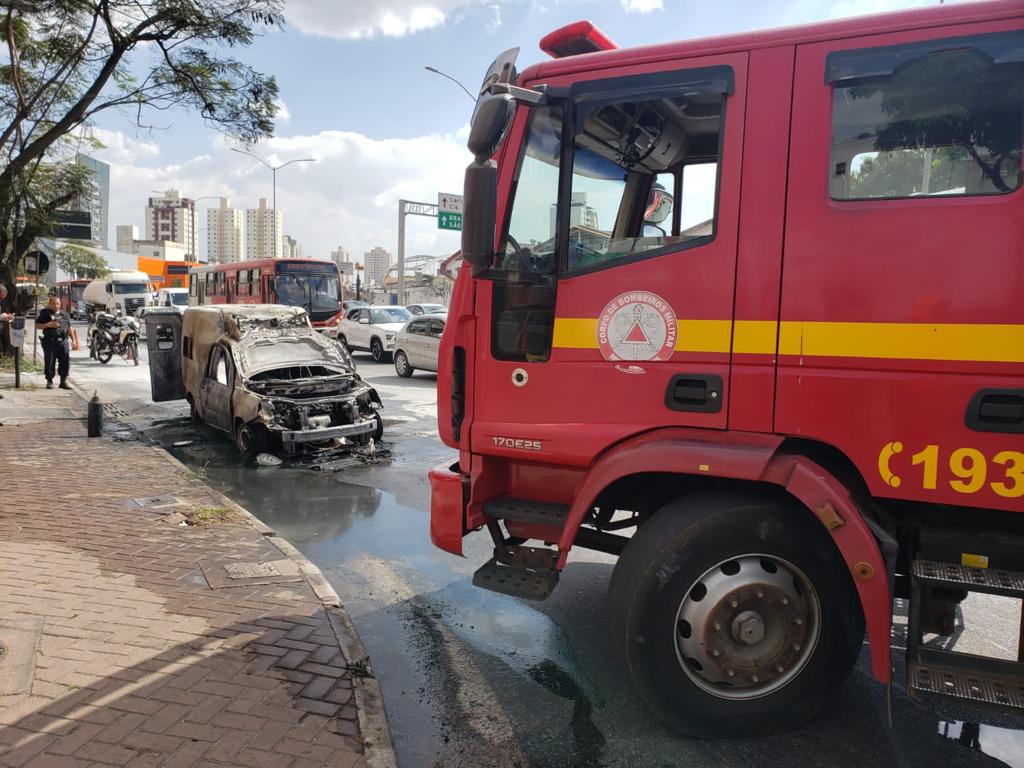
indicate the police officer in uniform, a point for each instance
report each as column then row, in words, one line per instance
column 55, row 326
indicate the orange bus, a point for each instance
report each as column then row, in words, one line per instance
column 309, row 283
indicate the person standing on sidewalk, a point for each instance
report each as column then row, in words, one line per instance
column 6, row 315
column 55, row 326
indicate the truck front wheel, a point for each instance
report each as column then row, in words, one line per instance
column 734, row 614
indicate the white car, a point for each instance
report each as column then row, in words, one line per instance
column 417, row 344
column 372, row 329
column 427, row 309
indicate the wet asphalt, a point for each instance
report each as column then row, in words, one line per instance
column 473, row 678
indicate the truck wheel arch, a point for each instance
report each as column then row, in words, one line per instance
column 759, row 459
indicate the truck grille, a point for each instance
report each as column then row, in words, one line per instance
column 131, row 305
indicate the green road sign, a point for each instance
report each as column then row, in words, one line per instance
column 449, row 221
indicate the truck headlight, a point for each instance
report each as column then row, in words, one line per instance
column 389, row 336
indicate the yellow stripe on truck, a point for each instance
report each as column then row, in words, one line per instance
column 910, row 341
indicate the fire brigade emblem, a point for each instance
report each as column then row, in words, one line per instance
column 637, row 326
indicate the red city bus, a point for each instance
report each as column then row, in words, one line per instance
column 70, row 294
column 798, row 381
column 309, row 283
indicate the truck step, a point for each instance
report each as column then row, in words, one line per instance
column 976, row 686
column 992, row 581
column 527, row 511
column 527, row 572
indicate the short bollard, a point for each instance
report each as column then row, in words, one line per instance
column 95, row 416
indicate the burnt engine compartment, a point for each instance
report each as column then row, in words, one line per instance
column 311, row 396
column 303, row 381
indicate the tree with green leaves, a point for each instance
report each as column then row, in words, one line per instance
column 81, row 262
column 69, row 61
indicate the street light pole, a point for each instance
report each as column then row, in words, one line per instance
column 437, row 71
column 274, row 169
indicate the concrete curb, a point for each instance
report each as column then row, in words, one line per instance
column 373, row 723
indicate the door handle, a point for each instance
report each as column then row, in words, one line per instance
column 996, row 410
column 694, row 393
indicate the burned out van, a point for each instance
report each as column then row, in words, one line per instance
column 261, row 374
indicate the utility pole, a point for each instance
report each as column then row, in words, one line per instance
column 413, row 208
column 274, row 169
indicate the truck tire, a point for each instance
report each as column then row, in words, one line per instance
column 734, row 614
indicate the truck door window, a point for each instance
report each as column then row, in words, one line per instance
column 940, row 117
column 629, row 156
column 530, row 239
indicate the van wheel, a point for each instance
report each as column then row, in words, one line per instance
column 402, row 367
column 251, row 439
column 378, row 431
column 734, row 615
column 377, row 351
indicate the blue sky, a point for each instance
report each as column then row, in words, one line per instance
column 357, row 98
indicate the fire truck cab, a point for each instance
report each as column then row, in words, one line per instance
column 757, row 299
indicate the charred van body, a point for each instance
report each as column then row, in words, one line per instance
column 264, row 376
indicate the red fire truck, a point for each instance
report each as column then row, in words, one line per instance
column 759, row 298
column 310, row 283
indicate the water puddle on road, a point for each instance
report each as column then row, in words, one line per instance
column 1004, row 744
column 379, row 556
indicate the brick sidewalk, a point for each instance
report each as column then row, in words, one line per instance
column 130, row 637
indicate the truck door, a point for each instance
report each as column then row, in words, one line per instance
column 902, row 327
column 163, row 341
column 620, row 247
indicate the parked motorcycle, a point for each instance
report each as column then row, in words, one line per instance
column 114, row 335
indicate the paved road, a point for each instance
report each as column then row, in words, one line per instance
column 474, row 678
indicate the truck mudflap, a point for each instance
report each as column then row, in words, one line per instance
column 447, row 508
column 831, row 503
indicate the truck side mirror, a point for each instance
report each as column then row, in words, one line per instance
column 491, row 122
column 480, row 204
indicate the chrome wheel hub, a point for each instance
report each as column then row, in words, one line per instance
column 747, row 626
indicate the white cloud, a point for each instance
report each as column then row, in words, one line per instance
column 368, row 18
column 348, row 197
column 642, row 6
column 283, row 114
column 495, row 22
column 119, row 147
column 843, row 8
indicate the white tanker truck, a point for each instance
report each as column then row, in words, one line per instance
column 121, row 292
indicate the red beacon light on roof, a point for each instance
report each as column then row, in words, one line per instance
column 574, row 39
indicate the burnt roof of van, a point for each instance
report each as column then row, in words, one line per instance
column 251, row 311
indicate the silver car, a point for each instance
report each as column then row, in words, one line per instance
column 427, row 309
column 416, row 345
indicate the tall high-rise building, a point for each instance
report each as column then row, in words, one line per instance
column 98, row 203
column 225, row 233
column 342, row 258
column 580, row 214
column 173, row 217
column 127, row 234
column 292, row 248
column 264, row 232
column 377, row 262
